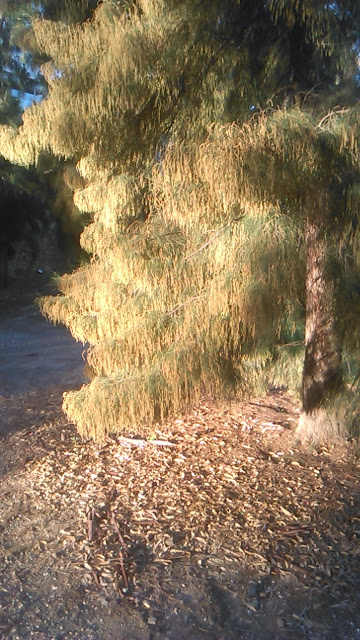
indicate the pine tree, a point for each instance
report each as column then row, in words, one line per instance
column 305, row 170
column 192, row 284
column 324, row 46
column 20, row 78
column 21, row 83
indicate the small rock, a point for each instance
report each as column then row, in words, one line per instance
column 280, row 623
column 254, row 589
column 151, row 620
column 103, row 602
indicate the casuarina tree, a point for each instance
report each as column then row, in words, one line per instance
column 216, row 151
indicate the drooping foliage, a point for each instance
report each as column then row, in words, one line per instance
column 196, row 281
column 22, row 83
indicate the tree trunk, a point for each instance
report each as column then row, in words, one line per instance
column 322, row 373
column 3, row 264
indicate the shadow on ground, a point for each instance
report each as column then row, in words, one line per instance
column 37, row 359
column 229, row 533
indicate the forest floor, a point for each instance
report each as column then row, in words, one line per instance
column 219, row 528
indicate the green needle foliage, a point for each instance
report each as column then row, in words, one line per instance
column 218, row 182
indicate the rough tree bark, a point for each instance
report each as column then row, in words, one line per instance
column 3, row 264
column 322, row 373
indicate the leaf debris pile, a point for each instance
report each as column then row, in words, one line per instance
column 220, row 516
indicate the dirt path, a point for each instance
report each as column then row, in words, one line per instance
column 36, row 355
column 38, row 361
column 36, row 358
column 38, row 599
column 227, row 532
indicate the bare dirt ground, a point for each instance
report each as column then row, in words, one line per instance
column 220, row 528
column 34, row 355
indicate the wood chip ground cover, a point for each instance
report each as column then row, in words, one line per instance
column 219, row 528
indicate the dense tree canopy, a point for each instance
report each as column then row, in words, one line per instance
column 21, row 81
column 216, row 146
column 21, row 84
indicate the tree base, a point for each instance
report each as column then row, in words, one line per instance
column 322, row 426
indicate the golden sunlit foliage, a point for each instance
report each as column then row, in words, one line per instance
column 171, row 305
column 196, row 280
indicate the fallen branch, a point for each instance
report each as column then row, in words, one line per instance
column 117, row 529
column 121, row 562
column 120, row 553
column 140, row 442
column 91, row 524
